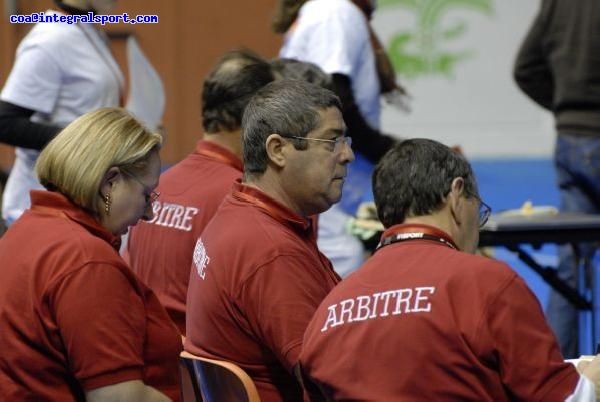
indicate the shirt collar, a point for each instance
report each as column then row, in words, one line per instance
column 219, row 153
column 53, row 203
column 278, row 211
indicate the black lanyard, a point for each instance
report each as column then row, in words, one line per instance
column 417, row 233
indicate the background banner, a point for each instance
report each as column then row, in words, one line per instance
column 455, row 58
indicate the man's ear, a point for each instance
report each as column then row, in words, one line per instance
column 108, row 180
column 456, row 198
column 275, row 146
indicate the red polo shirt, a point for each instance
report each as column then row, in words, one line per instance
column 256, row 280
column 73, row 317
column 421, row 321
column 160, row 251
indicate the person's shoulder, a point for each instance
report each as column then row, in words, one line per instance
column 323, row 6
column 196, row 188
column 476, row 263
column 247, row 221
column 86, row 245
column 197, row 165
column 244, row 240
column 456, row 268
column 460, row 274
column 50, row 33
column 54, row 40
column 67, row 235
column 64, row 246
column 331, row 9
column 251, row 229
column 479, row 272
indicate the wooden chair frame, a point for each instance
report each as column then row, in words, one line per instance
column 210, row 380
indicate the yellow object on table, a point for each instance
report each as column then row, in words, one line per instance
column 528, row 209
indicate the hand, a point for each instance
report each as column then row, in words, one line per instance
column 591, row 369
column 399, row 98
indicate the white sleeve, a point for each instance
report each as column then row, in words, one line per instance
column 330, row 36
column 34, row 81
column 336, row 45
column 585, row 391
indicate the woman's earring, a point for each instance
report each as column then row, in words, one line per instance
column 107, row 203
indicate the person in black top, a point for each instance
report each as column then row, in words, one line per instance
column 558, row 67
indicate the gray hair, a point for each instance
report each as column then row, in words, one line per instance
column 301, row 70
column 285, row 107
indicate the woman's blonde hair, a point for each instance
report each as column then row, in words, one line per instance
column 76, row 160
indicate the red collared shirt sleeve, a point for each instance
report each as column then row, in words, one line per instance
column 101, row 318
column 513, row 330
column 280, row 298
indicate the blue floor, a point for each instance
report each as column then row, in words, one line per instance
column 507, row 184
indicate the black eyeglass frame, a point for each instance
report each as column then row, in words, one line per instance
column 337, row 143
column 484, row 211
column 151, row 195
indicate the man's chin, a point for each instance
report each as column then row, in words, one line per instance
column 336, row 199
column 331, row 201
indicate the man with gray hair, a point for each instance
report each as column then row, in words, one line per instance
column 425, row 319
column 257, row 275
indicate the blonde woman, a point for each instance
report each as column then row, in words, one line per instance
column 75, row 323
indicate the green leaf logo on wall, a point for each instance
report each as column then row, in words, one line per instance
column 421, row 51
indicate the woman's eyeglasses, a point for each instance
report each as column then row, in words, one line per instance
column 151, row 195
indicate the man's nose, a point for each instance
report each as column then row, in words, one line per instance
column 347, row 154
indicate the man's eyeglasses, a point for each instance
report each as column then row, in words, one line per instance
column 484, row 211
column 338, row 143
column 151, row 195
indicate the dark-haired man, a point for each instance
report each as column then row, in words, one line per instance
column 258, row 275
column 425, row 319
column 160, row 251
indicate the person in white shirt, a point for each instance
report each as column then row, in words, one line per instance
column 61, row 71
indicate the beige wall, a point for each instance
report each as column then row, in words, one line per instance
column 188, row 38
